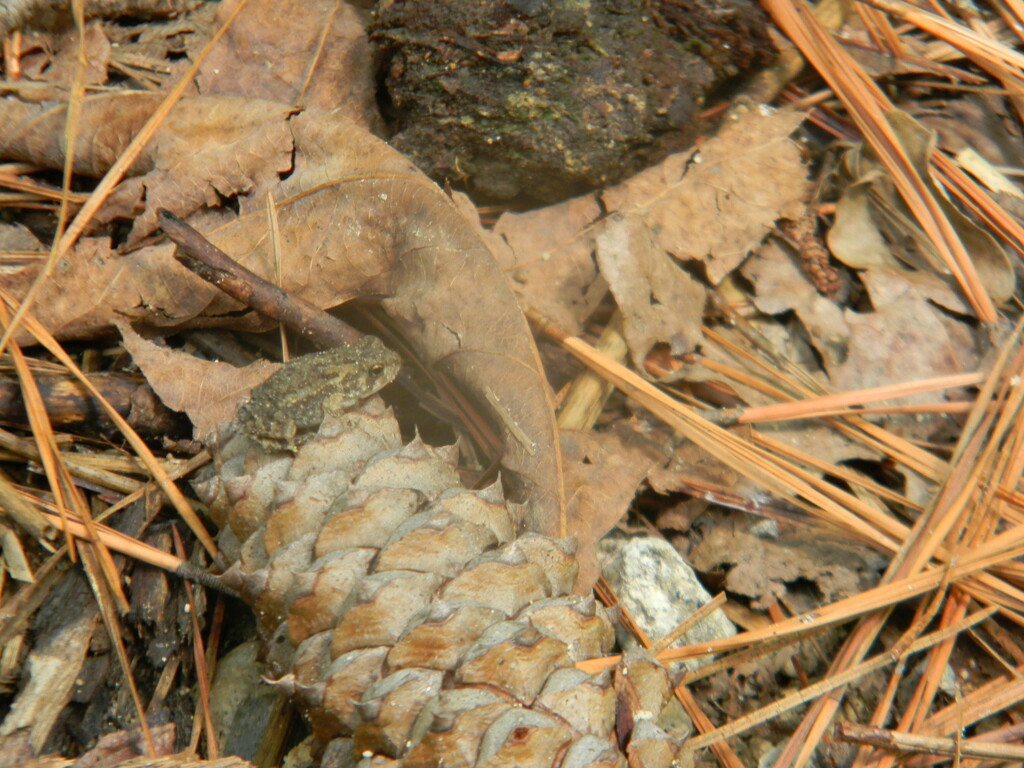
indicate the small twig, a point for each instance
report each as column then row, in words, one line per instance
column 931, row 745
column 607, row 596
column 213, row 265
column 203, row 674
column 145, row 553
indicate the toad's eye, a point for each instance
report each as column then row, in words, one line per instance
column 376, row 370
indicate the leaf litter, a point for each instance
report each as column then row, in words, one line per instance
column 683, row 252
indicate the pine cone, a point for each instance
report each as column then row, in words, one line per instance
column 410, row 614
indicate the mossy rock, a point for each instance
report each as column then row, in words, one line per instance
column 544, row 99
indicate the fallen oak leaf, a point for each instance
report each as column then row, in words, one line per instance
column 710, row 205
column 356, row 218
column 206, row 150
column 602, row 472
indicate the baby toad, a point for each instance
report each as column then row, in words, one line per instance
column 288, row 406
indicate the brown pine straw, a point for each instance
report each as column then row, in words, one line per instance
column 867, row 105
column 974, row 561
column 906, row 743
column 726, row 757
column 981, row 47
column 103, row 190
column 830, row 403
column 903, row 451
column 975, row 197
column 787, row 480
column 963, row 500
column 119, row 542
column 972, row 566
column 65, row 493
column 829, row 684
column 884, row 36
column 203, row 674
column 723, row 752
column 66, row 241
column 977, row 515
column 159, row 474
column 98, row 565
column 9, row 179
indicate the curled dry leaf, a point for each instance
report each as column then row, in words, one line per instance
column 659, row 301
column 710, row 205
column 855, row 240
column 208, row 392
column 780, row 287
column 892, row 216
column 206, row 150
column 355, row 218
column 905, row 338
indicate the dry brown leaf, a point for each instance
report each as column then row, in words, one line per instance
column 84, row 296
column 717, row 203
column 356, row 218
column 96, row 286
column 552, row 263
column 602, row 472
column 208, row 392
column 56, row 63
column 975, row 121
column 823, row 441
column 989, row 258
column 207, row 149
column 689, row 461
column 338, row 77
column 907, row 338
column 712, row 205
column 16, row 238
column 855, row 240
column 659, row 301
column 780, row 286
column 761, row 564
column 904, row 339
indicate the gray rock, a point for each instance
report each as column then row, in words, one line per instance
column 659, row 590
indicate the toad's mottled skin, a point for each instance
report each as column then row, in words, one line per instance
column 285, row 408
